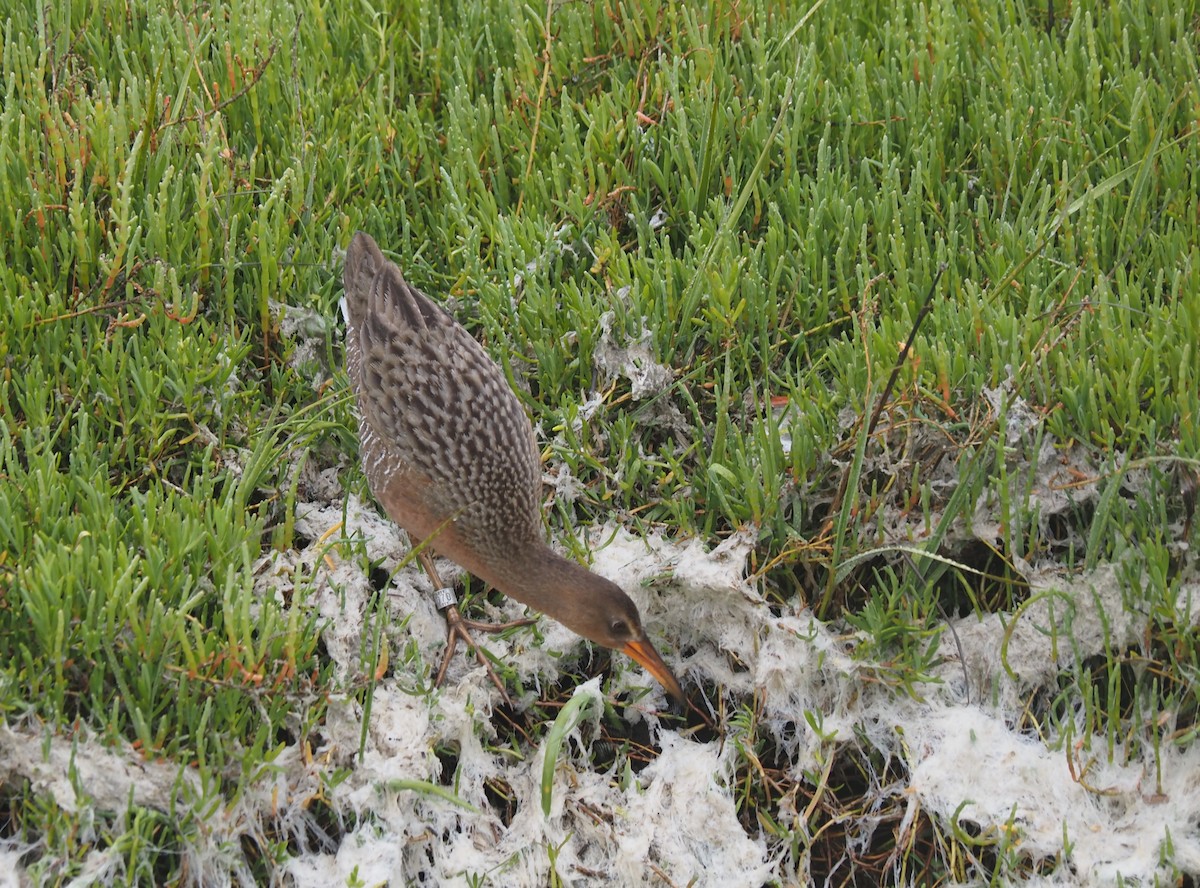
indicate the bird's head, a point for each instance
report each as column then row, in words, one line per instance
column 607, row 616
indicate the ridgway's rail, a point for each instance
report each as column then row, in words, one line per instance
column 450, row 454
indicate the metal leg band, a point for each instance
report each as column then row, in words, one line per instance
column 444, row 598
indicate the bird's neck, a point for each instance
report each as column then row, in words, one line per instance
column 542, row 579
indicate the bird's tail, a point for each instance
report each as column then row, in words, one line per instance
column 363, row 262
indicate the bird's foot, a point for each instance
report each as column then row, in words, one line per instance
column 459, row 627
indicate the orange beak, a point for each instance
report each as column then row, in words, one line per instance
column 644, row 653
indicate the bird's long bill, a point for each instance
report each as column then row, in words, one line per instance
column 645, row 654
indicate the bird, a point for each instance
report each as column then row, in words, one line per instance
column 450, row 454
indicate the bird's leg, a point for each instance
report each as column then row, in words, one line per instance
column 459, row 627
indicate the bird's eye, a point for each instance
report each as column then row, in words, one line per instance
column 618, row 628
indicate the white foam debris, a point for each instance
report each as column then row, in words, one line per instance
column 82, row 772
column 1110, row 818
column 368, row 855
column 566, row 485
column 679, row 814
column 308, row 330
column 634, row 360
column 1019, row 417
column 1055, row 481
column 589, row 408
column 1005, row 657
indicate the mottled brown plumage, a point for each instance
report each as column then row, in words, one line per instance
column 449, row 452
